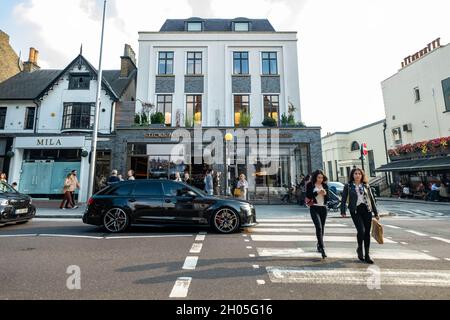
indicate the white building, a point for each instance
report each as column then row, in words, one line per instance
column 417, row 98
column 341, row 151
column 221, row 67
column 46, row 119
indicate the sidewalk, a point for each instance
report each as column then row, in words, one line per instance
column 395, row 199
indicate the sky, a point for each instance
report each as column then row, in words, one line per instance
column 346, row 47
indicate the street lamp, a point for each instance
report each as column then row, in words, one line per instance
column 228, row 138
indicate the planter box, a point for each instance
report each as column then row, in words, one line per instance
column 157, row 125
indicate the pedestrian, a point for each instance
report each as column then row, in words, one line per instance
column 130, row 175
column 113, row 178
column 433, row 195
column 186, row 178
column 216, row 183
column 243, row 186
column 178, row 177
column 358, row 197
column 74, row 184
column 317, row 195
column 209, row 184
column 67, row 199
column 3, row 177
column 120, row 178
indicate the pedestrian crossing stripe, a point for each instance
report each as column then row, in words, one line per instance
column 302, row 238
column 349, row 276
column 303, row 230
column 299, row 225
column 345, row 253
column 284, row 220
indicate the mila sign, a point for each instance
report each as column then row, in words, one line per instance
column 430, row 47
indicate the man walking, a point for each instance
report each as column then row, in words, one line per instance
column 74, row 184
column 209, row 185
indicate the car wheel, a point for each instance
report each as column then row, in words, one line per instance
column 225, row 220
column 116, row 220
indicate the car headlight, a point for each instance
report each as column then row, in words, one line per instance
column 4, row 203
column 247, row 209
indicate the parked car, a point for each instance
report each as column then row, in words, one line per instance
column 168, row 203
column 336, row 187
column 15, row 208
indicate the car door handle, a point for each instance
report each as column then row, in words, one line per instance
column 168, row 201
column 132, row 200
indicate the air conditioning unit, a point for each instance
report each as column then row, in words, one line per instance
column 396, row 131
column 407, row 127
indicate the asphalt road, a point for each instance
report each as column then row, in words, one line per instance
column 275, row 260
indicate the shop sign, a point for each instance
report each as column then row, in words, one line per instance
column 158, row 135
column 49, row 142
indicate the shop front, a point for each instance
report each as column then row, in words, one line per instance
column 41, row 163
column 150, row 153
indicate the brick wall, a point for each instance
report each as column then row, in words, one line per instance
column 9, row 61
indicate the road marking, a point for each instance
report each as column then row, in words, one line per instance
column 299, row 225
column 200, row 237
column 255, row 266
column 260, row 282
column 181, row 288
column 296, row 238
column 244, row 235
column 447, row 259
column 249, row 247
column 426, row 251
column 252, row 255
column 345, row 253
column 246, row 240
column 405, row 243
column 55, row 220
column 348, row 276
column 190, row 263
column 196, row 248
column 393, row 227
column 284, row 220
column 69, row 236
column 18, row 235
column 144, row 237
column 417, row 233
column 303, row 230
column 441, row 239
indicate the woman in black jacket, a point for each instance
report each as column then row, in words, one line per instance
column 358, row 197
column 317, row 198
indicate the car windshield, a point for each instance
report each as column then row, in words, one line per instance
column 336, row 184
column 6, row 188
column 197, row 190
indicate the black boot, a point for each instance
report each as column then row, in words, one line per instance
column 318, row 248
column 367, row 259
column 322, row 251
column 359, row 251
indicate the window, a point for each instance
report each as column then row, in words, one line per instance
column 164, row 105
column 355, row 146
column 78, row 116
column 341, row 169
column 271, row 107
column 269, row 63
column 240, row 62
column 80, row 81
column 194, row 63
column 241, row 104
column 330, row 170
column 417, row 94
column 165, row 64
column 175, row 189
column 193, row 110
column 446, row 91
column 397, row 135
column 122, row 190
column 241, row 26
column 3, row 117
column 29, row 118
column 194, row 26
column 148, row 188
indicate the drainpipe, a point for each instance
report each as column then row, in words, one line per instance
column 36, row 121
column 388, row 176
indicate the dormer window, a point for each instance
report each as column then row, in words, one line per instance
column 242, row 26
column 79, row 81
column 194, row 26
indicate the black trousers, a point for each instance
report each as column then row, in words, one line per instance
column 319, row 217
column 362, row 219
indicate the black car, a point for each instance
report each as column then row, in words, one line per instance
column 165, row 202
column 14, row 206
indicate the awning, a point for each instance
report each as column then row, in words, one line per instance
column 440, row 163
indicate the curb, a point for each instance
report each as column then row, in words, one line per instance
column 58, row 216
column 411, row 201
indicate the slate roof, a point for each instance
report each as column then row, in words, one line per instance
column 217, row 25
column 33, row 85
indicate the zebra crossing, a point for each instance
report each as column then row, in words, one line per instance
column 288, row 248
column 441, row 211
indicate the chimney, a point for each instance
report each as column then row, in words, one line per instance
column 31, row 65
column 127, row 62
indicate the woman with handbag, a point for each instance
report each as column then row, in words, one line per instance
column 242, row 186
column 316, row 199
column 358, row 197
column 67, row 200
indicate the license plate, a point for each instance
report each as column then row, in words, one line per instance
column 21, row 211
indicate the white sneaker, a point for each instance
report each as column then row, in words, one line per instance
column 76, row 207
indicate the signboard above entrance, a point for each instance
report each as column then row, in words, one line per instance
column 49, row 142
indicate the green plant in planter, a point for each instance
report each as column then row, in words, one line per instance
column 157, row 118
column 245, row 119
column 144, row 119
column 269, row 122
column 137, row 119
column 301, row 124
column 284, row 120
column 291, row 121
